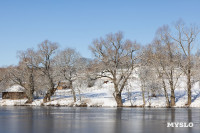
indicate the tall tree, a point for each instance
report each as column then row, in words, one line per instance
column 69, row 63
column 151, row 61
column 185, row 38
column 117, row 59
column 28, row 64
column 47, row 51
column 168, row 58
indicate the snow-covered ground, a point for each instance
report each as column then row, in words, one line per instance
column 101, row 94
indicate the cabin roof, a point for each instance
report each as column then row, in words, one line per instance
column 15, row 88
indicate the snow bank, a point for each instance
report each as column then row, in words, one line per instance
column 7, row 102
column 101, row 95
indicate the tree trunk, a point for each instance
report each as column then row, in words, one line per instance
column 143, row 98
column 31, row 88
column 30, row 97
column 117, row 95
column 71, row 85
column 51, row 91
column 171, row 82
column 118, row 99
column 189, row 86
column 74, row 95
column 79, row 93
column 73, row 91
column 166, row 95
column 172, row 103
column 172, row 97
column 149, row 99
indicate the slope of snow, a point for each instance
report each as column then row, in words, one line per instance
column 101, row 95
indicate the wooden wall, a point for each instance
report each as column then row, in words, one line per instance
column 14, row 95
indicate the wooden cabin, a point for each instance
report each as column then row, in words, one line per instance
column 63, row 85
column 14, row 93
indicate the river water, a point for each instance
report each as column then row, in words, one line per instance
column 96, row 120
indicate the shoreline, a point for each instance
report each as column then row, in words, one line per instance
column 89, row 106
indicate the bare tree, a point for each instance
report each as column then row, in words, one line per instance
column 28, row 65
column 150, row 69
column 117, row 59
column 18, row 75
column 81, row 84
column 25, row 73
column 185, row 38
column 47, row 51
column 144, row 75
column 167, row 57
column 69, row 64
column 163, row 61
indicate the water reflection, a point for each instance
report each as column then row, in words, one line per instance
column 95, row 120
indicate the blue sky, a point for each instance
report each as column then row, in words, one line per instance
column 75, row 23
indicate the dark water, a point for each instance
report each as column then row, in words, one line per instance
column 95, row 120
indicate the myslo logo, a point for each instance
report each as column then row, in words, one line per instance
column 179, row 124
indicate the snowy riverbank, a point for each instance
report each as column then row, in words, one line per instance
column 101, row 96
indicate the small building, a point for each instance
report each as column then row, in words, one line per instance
column 15, row 92
column 63, row 85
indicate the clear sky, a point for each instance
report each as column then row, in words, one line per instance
column 75, row 23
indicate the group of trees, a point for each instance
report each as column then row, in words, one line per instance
column 171, row 56
column 44, row 68
column 159, row 65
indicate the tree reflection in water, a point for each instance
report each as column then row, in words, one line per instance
column 95, row 120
